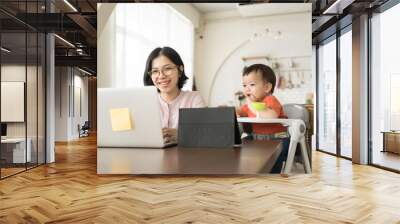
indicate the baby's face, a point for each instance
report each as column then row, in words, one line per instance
column 255, row 88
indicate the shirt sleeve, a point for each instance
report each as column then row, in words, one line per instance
column 273, row 103
column 198, row 101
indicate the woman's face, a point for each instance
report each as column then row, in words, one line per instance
column 165, row 74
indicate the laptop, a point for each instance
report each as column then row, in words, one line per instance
column 214, row 127
column 129, row 117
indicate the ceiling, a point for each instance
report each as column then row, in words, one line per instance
column 78, row 24
column 258, row 9
column 214, row 7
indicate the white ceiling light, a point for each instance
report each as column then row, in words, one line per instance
column 70, row 5
column 337, row 7
column 84, row 71
column 5, row 50
column 65, row 41
column 268, row 9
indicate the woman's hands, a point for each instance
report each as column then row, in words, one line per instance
column 170, row 135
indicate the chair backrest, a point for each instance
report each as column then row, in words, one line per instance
column 86, row 125
column 297, row 111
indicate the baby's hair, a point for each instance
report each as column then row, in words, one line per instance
column 267, row 73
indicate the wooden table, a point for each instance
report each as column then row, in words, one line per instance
column 253, row 157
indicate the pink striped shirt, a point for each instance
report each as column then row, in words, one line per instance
column 170, row 111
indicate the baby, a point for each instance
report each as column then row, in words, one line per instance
column 258, row 86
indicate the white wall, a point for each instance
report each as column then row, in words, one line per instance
column 106, row 45
column 62, row 81
column 17, row 73
column 68, row 82
column 80, row 83
column 189, row 12
column 226, row 40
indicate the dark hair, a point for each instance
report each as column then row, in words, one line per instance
column 172, row 55
column 267, row 73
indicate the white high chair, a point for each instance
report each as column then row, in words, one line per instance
column 297, row 130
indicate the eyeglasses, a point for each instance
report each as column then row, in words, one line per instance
column 167, row 70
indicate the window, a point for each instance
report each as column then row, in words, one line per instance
column 346, row 94
column 394, row 101
column 385, row 85
column 327, row 97
column 22, row 73
column 140, row 28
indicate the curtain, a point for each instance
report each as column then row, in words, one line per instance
column 140, row 28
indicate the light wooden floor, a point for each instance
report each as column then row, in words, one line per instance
column 10, row 171
column 70, row 191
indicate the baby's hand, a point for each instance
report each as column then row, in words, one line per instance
column 250, row 105
column 237, row 112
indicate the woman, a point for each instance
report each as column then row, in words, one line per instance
column 165, row 70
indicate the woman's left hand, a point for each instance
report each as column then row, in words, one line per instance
column 170, row 135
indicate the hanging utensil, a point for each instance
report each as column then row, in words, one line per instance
column 282, row 81
column 291, row 63
column 290, row 83
column 297, row 75
column 278, row 80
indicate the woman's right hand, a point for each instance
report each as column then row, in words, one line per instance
column 170, row 135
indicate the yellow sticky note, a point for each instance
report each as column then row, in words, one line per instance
column 120, row 119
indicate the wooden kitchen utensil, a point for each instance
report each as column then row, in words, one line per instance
column 290, row 83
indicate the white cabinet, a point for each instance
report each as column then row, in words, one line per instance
column 18, row 149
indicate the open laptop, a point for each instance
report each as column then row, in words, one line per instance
column 129, row 117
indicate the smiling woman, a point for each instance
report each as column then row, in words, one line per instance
column 166, row 71
column 134, row 30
